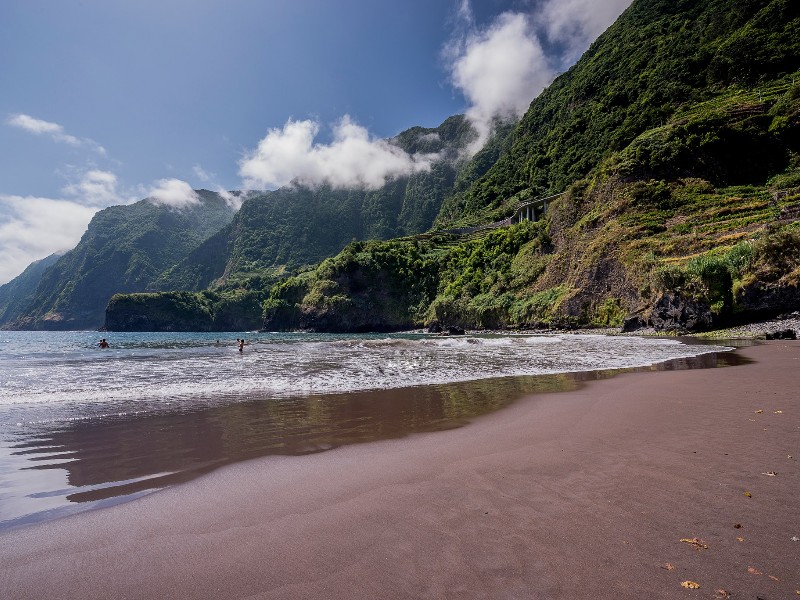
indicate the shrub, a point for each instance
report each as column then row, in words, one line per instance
column 610, row 313
column 537, row 307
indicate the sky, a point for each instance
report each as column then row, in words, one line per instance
column 108, row 102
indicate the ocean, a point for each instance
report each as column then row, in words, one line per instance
column 83, row 427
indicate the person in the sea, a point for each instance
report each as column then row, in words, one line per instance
column 241, row 344
column 102, row 343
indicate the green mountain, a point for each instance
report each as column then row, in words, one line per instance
column 17, row 294
column 123, row 250
column 659, row 57
column 296, row 226
column 676, row 139
column 141, row 248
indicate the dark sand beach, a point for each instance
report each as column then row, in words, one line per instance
column 579, row 494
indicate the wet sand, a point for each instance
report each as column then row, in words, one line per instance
column 581, row 494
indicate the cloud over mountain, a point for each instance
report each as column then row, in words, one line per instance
column 577, row 23
column 33, row 228
column 173, row 193
column 96, row 188
column 502, row 67
column 499, row 70
column 352, row 159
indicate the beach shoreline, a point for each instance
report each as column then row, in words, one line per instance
column 578, row 494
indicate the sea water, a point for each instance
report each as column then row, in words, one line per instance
column 82, row 426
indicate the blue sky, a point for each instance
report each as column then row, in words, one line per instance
column 107, row 102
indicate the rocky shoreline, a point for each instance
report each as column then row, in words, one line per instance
column 757, row 330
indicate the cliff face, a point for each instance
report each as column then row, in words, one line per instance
column 598, row 257
column 660, row 57
column 184, row 311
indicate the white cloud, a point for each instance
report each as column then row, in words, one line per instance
column 38, row 126
column 54, row 130
column 352, row 159
column 202, row 174
column 433, row 136
column 97, row 188
column 173, row 193
column 577, row 23
column 501, row 68
column 33, row 228
column 234, row 200
column 500, row 71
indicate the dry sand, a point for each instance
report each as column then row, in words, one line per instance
column 584, row 494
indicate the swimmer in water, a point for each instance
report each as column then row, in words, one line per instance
column 102, row 343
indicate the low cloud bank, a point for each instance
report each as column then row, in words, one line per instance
column 37, row 227
column 577, row 23
column 96, row 188
column 233, row 199
column 32, row 227
column 290, row 155
column 499, row 68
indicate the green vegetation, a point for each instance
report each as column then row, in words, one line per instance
column 236, row 310
column 296, row 226
column 408, row 283
column 17, row 294
column 659, row 57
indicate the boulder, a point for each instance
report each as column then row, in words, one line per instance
column 434, row 327
column 676, row 313
column 767, row 299
column 633, row 323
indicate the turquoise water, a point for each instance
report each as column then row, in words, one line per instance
column 82, row 427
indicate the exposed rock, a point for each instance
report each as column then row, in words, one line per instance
column 782, row 334
column 674, row 312
column 770, row 298
column 434, row 327
column 453, row 330
column 633, row 323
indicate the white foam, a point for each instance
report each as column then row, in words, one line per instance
column 155, row 372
